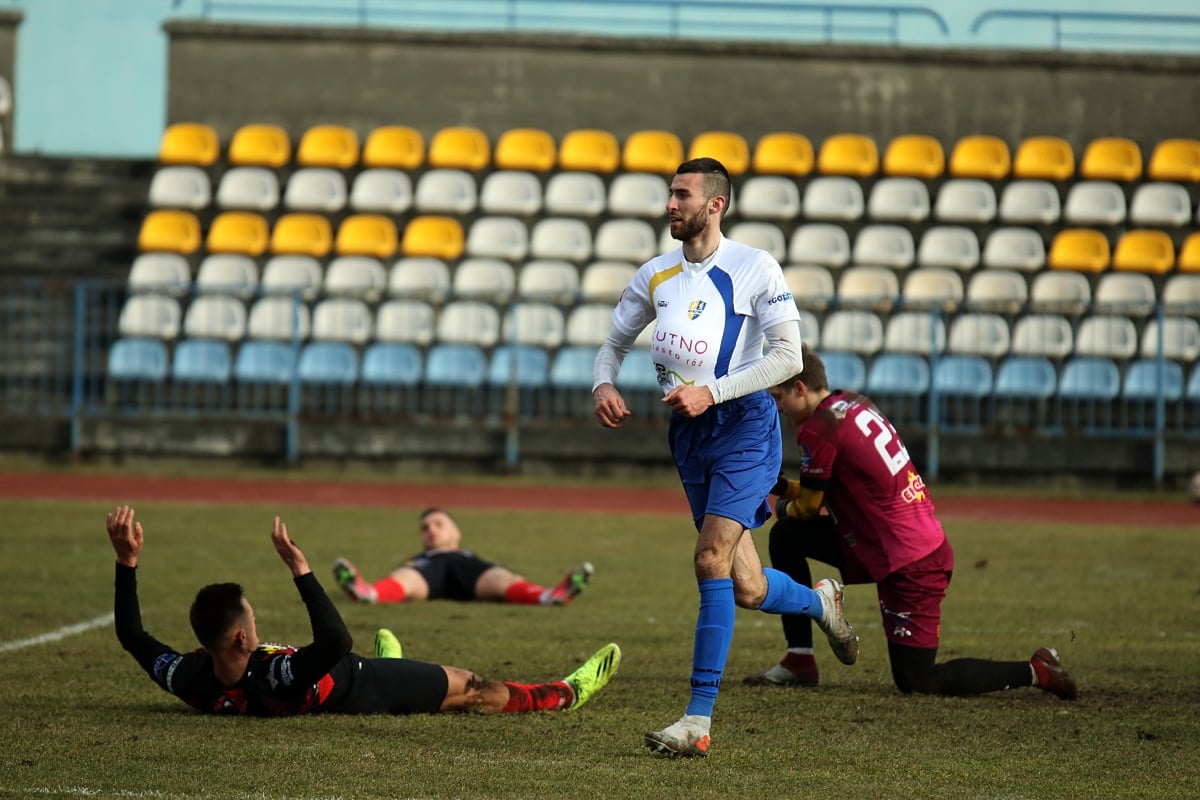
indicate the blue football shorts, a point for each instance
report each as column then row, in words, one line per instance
column 729, row 458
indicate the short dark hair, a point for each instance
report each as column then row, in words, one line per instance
column 214, row 611
column 436, row 510
column 716, row 177
column 813, row 372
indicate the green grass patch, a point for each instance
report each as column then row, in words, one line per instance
column 1120, row 604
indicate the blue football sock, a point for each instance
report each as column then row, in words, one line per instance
column 714, row 632
column 785, row 596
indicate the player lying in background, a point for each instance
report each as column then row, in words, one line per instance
column 234, row 673
column 445, row 571
column 879, row 527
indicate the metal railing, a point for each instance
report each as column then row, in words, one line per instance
column 1090, row 29
column 725, row 19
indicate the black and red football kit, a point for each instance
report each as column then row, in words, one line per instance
column 281, row 680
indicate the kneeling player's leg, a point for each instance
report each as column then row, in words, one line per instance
column 914, row 670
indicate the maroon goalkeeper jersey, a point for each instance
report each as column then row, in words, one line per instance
column 881, row 508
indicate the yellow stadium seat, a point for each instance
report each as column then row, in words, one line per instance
column 652, row 151
column 1111, row 158
column 395, row 147
column 783, row 154
column 170, row 232
column 259, row 146
column 460, row 147
column 725, row 146
column 985, row 157
column 1144, row 251
column 302, row 235
column 850, row 154
column 530, row 149
column 589, row 150
column 333, row 146
column 1047, row 158
column 1079, row 250
column 240, row 232
column 1189, row 254
column 1175, row 160
column 433, row 237
column 189, row 143
column 367, row 235
column 914, row 156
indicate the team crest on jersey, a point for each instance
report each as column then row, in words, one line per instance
column 915, row 490
column 696, row 308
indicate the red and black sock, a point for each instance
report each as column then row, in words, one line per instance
column 523, row 697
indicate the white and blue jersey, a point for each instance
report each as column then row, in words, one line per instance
column 709, row 320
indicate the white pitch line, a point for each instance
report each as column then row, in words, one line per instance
column 54, row 636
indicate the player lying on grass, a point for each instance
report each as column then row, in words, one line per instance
column 234, row 673
column 445, row 571
column 878, row 527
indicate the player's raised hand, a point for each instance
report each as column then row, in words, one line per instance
column 287, row 549
column 125, row 533
column 610, row 406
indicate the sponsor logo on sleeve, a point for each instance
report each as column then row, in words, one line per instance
column 915, row 490
column 779, row 298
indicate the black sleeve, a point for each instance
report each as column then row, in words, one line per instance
column 331, row 640
column 161, row 662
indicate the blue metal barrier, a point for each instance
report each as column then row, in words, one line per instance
column 1091, row 29
column 760, row 19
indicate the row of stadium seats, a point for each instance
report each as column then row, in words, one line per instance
column 635, row 240
column 584, row 194
column 1086, row 387
column 858, row 330
column 657, row 151
column 813, row 286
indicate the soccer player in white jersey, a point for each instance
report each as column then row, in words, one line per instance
column 716, row 303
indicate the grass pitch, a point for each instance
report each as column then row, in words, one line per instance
column 81, row 719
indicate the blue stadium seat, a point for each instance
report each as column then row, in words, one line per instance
column 526, row 366
column 1087, row 391
column 391, row 363
column 454, row 379
column 1093, row 378
column 138, row 359
column 260, row 361
column 202, row 361
column 455, row 364
column 1141, row 381
column 570, row 380
column 963, row 376
column 531, row 363
column 1030, row 377
column 845, row 371
column 328, row 363
column 963, row 384
column 638, row 382
column 897, row 382
column 898, row 374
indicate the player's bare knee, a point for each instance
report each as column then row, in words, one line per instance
column 749, row 596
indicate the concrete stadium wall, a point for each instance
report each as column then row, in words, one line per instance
column 229, row 75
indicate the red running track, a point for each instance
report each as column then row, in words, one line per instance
column 115, row 490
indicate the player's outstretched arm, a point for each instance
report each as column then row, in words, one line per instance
column 125, row 534
column 287, row 549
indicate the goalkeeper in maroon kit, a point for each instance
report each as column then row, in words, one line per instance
column 234, row 673
column 861, row 506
